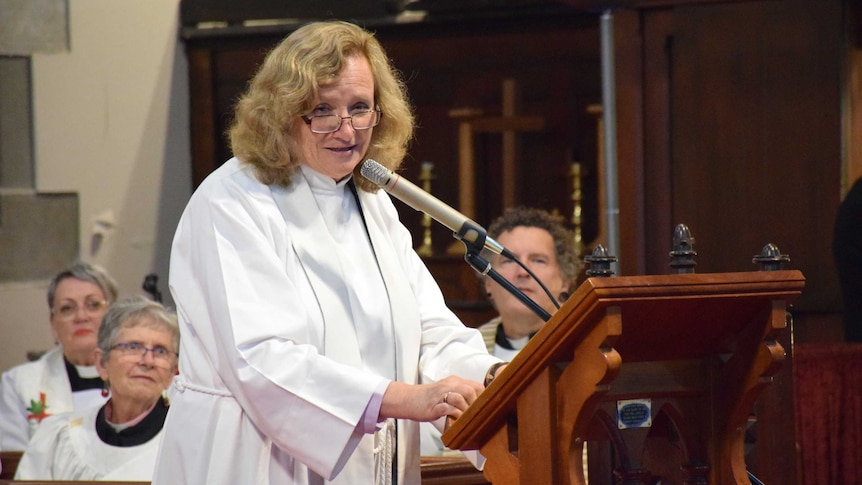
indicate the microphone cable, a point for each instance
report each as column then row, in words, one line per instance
column 511, row 256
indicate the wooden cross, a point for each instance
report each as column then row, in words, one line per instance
column 509, row 124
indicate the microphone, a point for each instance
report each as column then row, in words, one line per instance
column 464, row 228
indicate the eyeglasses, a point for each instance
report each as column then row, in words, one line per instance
column 137, row 349
column 360, row 120
column 67, row 311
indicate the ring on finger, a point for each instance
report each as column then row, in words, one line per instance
column 446, row 398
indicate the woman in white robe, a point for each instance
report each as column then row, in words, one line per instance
column 65, row 378
column 136, row 358
column 314, row 338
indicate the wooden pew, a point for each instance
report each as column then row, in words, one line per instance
column 9, row 460
column 435, row 471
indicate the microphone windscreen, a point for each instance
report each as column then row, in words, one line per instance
column 375, row 172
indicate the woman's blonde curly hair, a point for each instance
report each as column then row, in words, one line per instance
column 267, row 115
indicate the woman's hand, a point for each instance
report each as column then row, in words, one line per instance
column 427, row 402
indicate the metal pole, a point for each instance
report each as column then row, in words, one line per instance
column 609, row 109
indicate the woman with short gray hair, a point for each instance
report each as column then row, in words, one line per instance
column 65, row 378
column 136, row 358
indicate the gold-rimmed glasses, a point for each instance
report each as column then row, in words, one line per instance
column 359, row 120
column 68, row 310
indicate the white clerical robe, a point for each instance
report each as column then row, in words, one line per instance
column 67, row 447
column 273, row 384
column 33, row 391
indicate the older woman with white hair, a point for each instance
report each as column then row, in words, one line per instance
column 136, row 358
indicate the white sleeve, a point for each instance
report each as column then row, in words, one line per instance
column 38, row 459
column 14, row 427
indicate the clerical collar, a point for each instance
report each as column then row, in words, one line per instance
column 317, row 180
column 135, row 435
column 79, row 383
column 503, row 341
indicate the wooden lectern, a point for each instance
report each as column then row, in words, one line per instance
column 667, row 368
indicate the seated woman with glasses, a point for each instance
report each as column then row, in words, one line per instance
column 65, row 378
column 137, row 358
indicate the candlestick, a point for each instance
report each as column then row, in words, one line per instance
column 427, row 248
column 577, row 198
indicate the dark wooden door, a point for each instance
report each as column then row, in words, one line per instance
column 741, row 121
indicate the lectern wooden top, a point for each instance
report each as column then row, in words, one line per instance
column 663, row 317
column 699, row 311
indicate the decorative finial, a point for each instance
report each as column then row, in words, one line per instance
column 599, row 262
column 682, row 256
column 770, row 258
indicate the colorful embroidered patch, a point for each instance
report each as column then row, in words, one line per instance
column 38, row 409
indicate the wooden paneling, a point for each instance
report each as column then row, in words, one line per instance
column 554, row 61
column 729, row 120
column 195, row 11
column 742, row 135
column 448, row 64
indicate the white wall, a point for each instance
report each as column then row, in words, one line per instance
column 110, row 123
